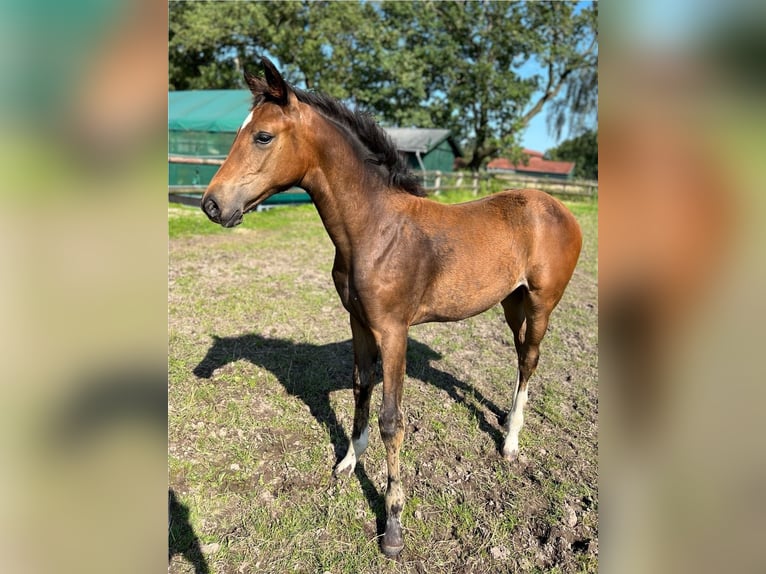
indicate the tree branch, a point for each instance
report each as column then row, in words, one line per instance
column 549, row 94
column 551, row 90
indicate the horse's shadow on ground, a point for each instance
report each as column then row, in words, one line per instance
column 328, row 368
column 181, row 537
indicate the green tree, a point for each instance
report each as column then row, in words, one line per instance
column 344, row 49
column 473, row 56
column 210, row 43
column 459, row 65
column 333, row 47
column 583, row 150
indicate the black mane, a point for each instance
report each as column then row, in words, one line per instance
column 378, row 147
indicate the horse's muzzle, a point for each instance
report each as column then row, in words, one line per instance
column 211, row 209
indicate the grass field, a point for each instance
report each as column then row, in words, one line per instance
column 260, row 409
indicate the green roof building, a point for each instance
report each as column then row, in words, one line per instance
column 203, row 123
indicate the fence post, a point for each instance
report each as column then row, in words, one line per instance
column 475, row 182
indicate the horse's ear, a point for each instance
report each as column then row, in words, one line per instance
column 277, row 89
column 256, row 84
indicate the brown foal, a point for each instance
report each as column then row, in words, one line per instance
column 401, row 259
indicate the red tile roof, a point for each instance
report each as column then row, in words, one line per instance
column 535, row 164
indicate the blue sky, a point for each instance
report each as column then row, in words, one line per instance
column 536, row 136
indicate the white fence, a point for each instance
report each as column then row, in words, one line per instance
column 436, row 182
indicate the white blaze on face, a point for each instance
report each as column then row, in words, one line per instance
column 247, row 121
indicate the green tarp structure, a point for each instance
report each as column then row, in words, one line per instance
column 208, row 110
column 203, row 123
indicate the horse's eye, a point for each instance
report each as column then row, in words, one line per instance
column 262, row 138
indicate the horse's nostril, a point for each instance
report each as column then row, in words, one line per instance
column 210, row 207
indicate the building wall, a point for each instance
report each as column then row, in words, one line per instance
column 562, row 176
column 186, row 174
column 441, row 158
column 202, row 144
column 198, row 144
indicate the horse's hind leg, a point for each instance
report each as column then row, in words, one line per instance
column 527, row 316
column 365, row 356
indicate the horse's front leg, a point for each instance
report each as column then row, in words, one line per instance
column 365, row 356
column 393, row 349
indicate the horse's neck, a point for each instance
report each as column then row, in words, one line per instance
column 347, row 206
column 349, row 200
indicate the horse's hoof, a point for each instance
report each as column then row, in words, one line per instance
column 391, row 551
column 343, row 470
column 511, row 455
column 392, row 542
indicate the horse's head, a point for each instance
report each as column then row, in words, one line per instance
column 266, row 156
